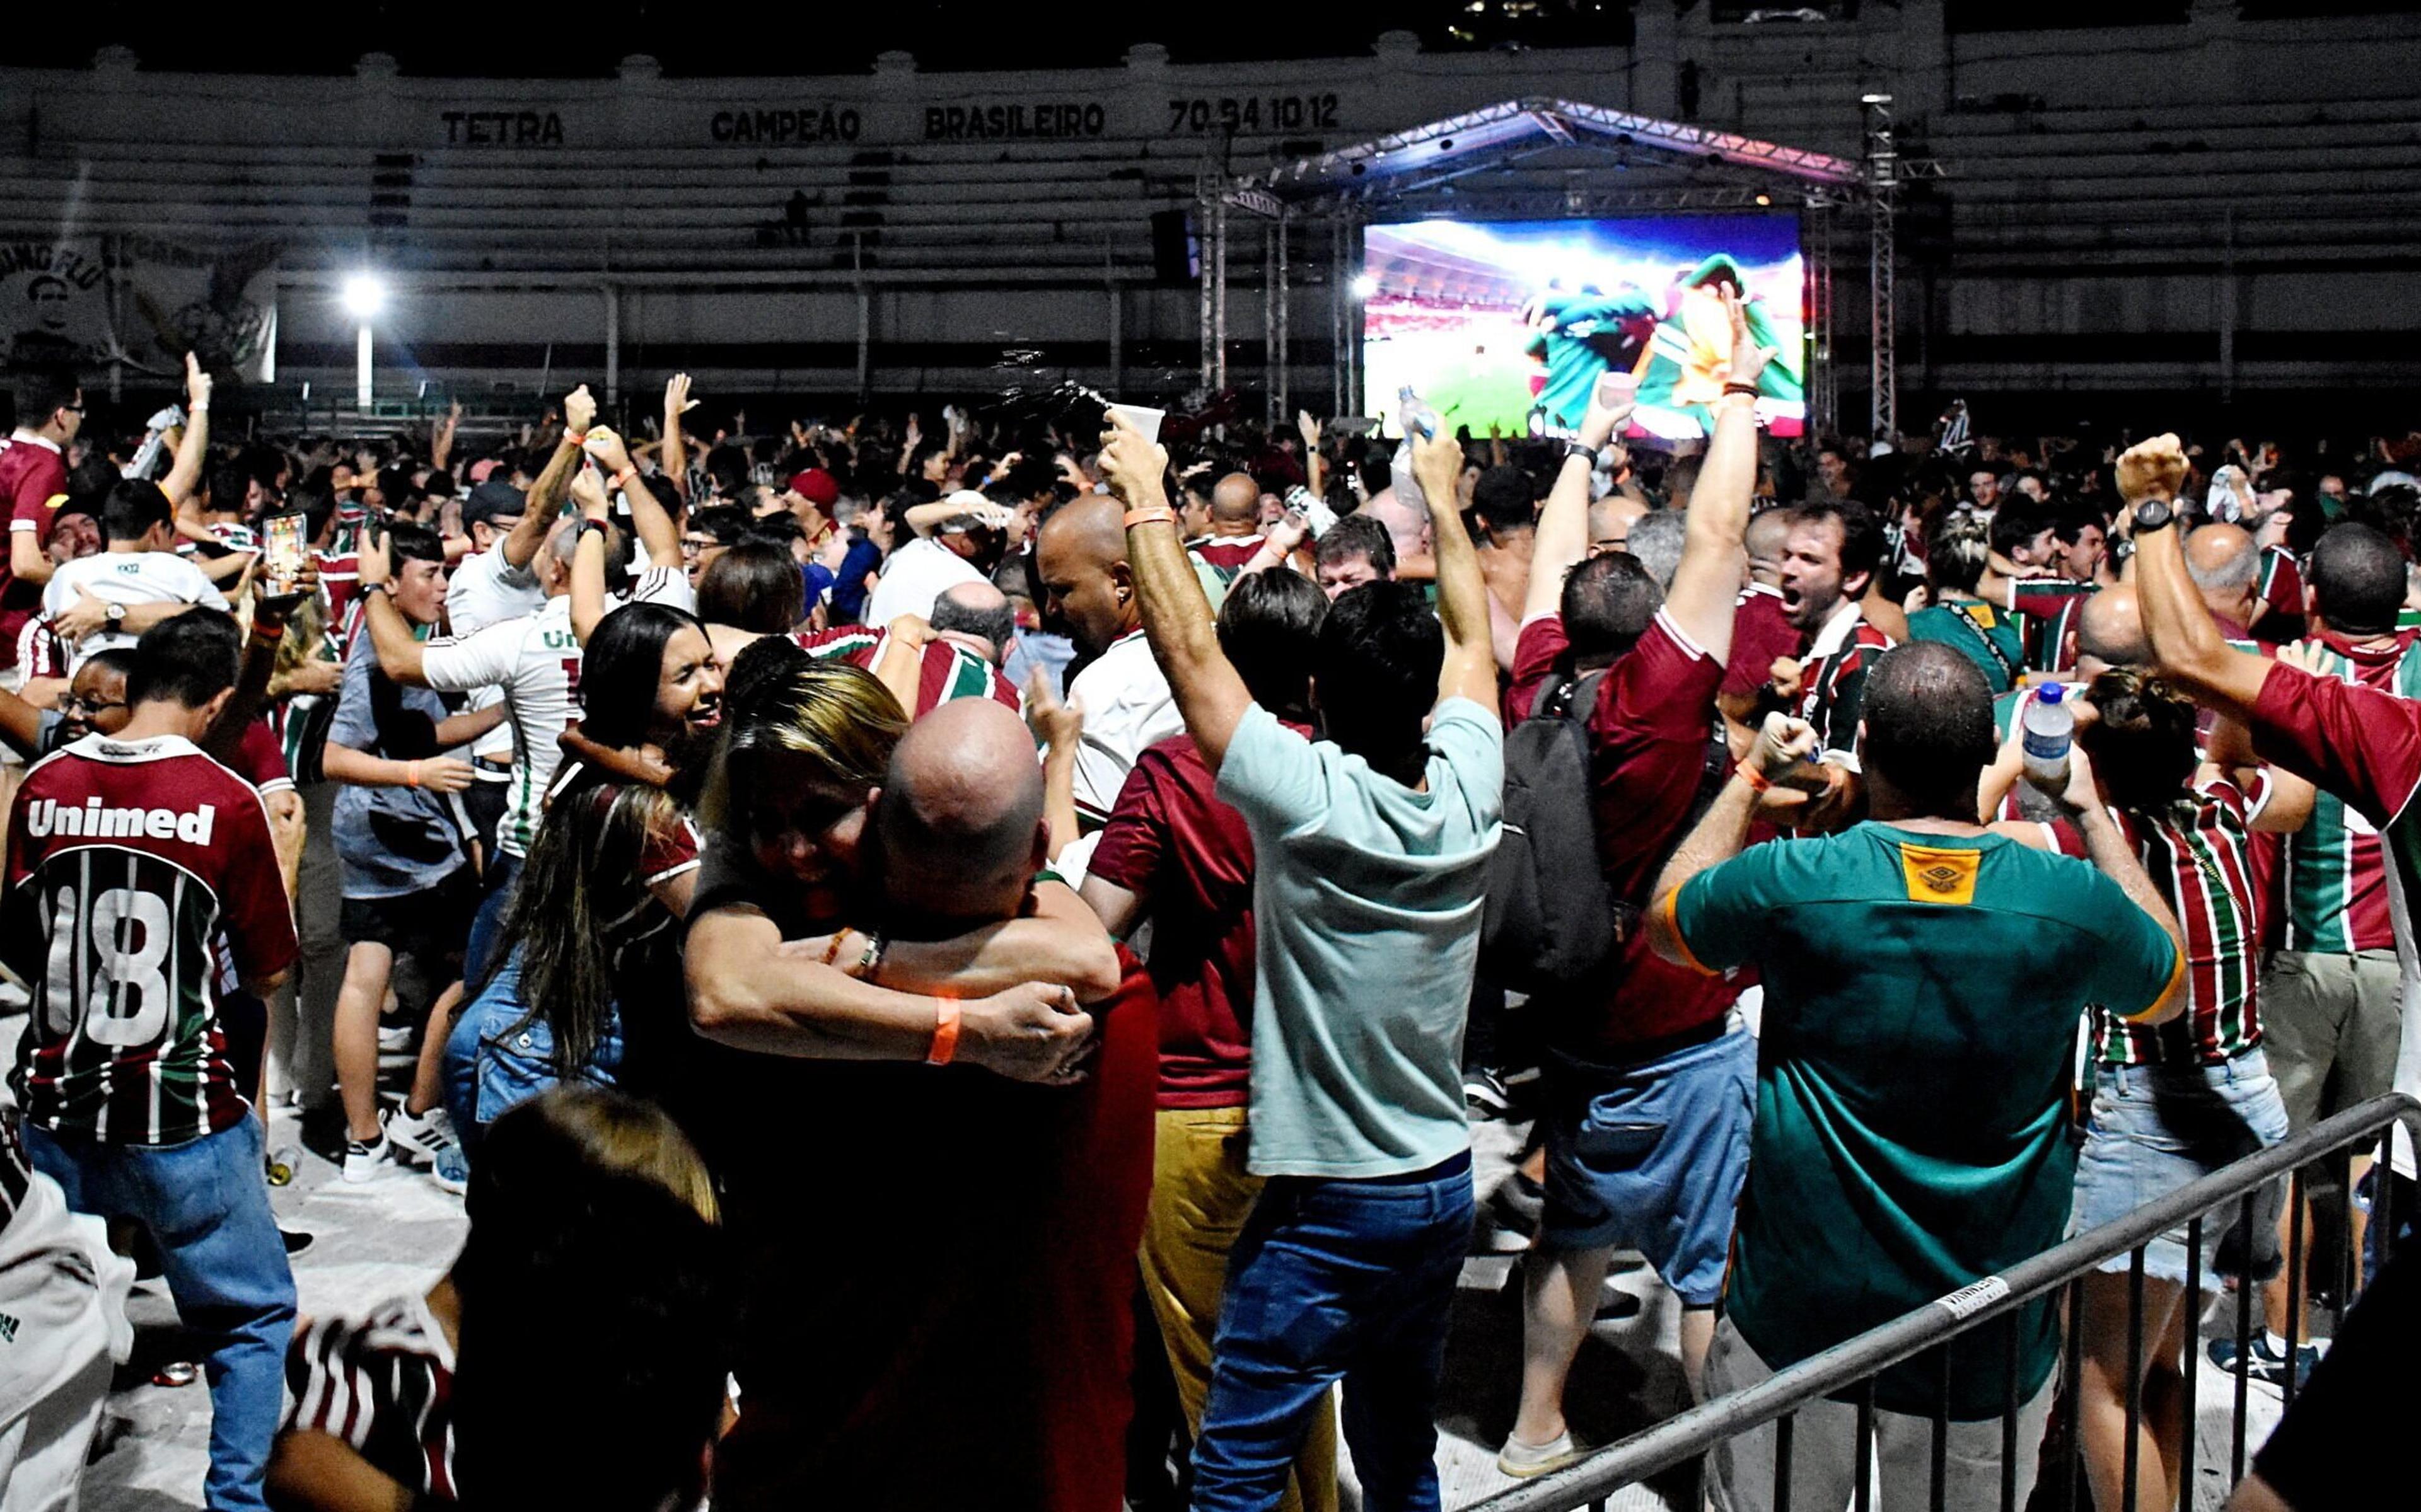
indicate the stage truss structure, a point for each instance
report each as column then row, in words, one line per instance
column 1544, row 159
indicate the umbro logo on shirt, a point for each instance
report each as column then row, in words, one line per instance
column 45, row 816
column 8, row 1328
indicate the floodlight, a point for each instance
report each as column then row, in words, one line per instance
column 1365, row 287
column 363, row 295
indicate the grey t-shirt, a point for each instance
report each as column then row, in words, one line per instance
column 1366, row 899
column 391, row 841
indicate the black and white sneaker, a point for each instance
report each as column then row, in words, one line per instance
column 1483, row 1092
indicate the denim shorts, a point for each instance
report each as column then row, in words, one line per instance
column 2156, row 1128
column 1652, row 1154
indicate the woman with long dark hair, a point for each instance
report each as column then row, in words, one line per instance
column 609, row 876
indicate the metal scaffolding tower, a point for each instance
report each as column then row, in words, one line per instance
column 1883, row 204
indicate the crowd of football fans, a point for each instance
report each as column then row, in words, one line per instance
column 954, row 958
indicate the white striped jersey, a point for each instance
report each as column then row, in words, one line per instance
column 384, row 1384
column 536, row 661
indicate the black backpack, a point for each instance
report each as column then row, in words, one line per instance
column 1550, row 920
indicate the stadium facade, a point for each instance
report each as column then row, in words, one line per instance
column 2225, row 204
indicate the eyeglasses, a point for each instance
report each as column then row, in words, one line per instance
column 77, row 703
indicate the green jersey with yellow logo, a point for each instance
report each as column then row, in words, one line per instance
column 1922, row 996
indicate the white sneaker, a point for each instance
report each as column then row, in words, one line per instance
column 1523, row 1460
column 424, row 1138
column 362, row 1161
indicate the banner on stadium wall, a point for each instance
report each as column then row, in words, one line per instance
column 53, row 303
column 91, row 302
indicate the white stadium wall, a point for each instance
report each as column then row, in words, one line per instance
column 2124, row 209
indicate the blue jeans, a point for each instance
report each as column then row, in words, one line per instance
column 491, row 918
column 207, row 1205
column 1331, row 1280
column 490, row 1066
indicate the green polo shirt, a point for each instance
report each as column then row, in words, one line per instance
column 1922, row 995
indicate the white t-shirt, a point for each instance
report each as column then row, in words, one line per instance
column 127, row 578
column 667, row 586
column 916, row 575
column 487, row 590
column 1126, row 706
column 536, row 661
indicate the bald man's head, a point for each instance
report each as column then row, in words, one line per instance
column 2110, row 633
column 1610, row 521
column 1768, row 529
column 1082, row 563
column 1408, row 525
column 958, row 821
column 2223, row 563
column 976, row 616
column 1235, row 504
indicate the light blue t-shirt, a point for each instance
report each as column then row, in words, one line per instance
column 1367, row 900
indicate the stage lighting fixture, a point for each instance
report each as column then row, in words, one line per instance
column 1365, row 286
column 1765, row 199
column 363, row 295
column 1874, row 99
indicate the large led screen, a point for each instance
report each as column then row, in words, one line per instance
column 1508, row 324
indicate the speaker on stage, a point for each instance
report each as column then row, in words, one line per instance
column 1175, row 256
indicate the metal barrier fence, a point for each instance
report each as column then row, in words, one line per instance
column 1855, row 1363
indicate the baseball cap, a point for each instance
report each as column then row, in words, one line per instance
column 491, row 499
column 481, row 469
column 816, row 485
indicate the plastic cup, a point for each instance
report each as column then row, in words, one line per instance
column 1142, row 417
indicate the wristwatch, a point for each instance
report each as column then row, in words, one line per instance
column 2153, row 514
column 114, row 614
column 1581, row 449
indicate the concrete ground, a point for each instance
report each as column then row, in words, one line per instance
column 396, row 1235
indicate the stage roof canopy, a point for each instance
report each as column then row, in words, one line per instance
column 1720, row 164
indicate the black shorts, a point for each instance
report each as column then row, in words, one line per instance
column 432, row 924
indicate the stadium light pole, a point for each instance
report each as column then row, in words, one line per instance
column 363, row 295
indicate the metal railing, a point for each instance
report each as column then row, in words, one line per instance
column 1852, row 1366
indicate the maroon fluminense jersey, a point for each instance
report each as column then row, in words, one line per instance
column 124, row 858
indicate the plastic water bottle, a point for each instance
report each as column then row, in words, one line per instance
column 1418, row 419
column 2050, row 724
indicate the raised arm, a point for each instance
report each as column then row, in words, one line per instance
column 2186, row 643
column 1470, row 669
column 391, row 638
column 1714, row 562
column 194, row 447
column 588, row 555
column 658, row 536
column 553, row 483
column 1562, row 541
column 675, row 456
column 1177, row 617
column 1060, row 728
column 440, row 439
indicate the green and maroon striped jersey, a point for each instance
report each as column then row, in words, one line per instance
column 2337, row 869
column 124, row 859
column 2048, row 609
column 1832, row 682
column 2199, row 855
column 948, row 670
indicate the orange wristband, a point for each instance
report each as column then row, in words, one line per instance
column 946, row 1033
column 1757, row 781
column 412, row 773
column 622, row 478
column 1154, row 514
